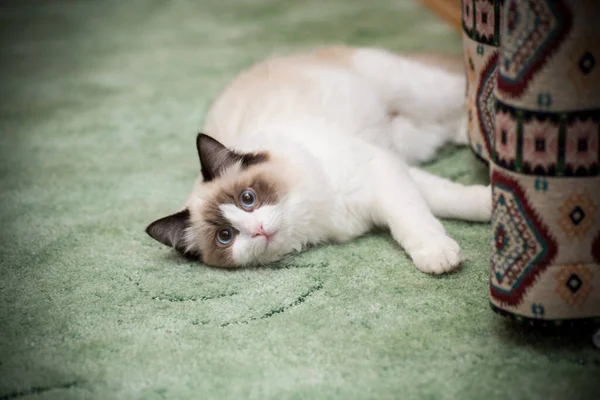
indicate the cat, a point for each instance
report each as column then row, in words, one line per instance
column 322, row 147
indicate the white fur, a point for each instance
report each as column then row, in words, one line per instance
column 330, row 125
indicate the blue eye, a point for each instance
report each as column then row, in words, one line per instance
column 225, row 236
column 248, row 198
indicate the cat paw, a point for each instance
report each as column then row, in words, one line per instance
column 437, row 256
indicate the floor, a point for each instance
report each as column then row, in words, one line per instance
column 100, row 105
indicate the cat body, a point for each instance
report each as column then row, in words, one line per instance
column 319, row 147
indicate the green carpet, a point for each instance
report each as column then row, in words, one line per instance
column 100, row 105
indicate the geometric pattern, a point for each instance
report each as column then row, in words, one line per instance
column 545, row 151
column 538, row 310
column 596, row 248
column 523, row 247
column 505, row 146
column 481, row 38
column 546, row 143
column 573, row 284
column 577, row 215
column 533, row 30
column 540, row 146
column 486, row 101
column 582, row 147
column 467, row 15
column 481, row 20
column 484, row 19
column 585, row 71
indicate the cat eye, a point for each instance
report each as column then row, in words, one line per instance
column 225, row 235
column 248, row 198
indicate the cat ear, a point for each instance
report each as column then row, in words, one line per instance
column 214, row 157
column 170, row 230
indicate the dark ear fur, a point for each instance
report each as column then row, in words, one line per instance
column 170, row 230
column 215, row 158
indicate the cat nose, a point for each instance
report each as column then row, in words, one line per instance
column 260, row 232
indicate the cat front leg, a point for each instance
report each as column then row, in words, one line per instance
column 400, row 206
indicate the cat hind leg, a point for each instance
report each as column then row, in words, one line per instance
column 447, row 199
column 422, row 91
column 417, row 143
column 424, row 101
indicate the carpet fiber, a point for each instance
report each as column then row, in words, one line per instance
column 100, row 105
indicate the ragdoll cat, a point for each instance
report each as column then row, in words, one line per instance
column 316, row 148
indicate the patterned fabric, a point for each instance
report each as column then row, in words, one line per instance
column 578, row 215
column 542, row 226
column 574, row 285
column 486, row 103
column 532, row 31
column 523, row 246
column 535, row 115
column 546, row 143
column 550, row 56
column 481, row 38
column 596, row 248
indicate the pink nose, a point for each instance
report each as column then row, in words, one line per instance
column 260, row 232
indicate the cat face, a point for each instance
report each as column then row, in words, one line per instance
column 238, row 215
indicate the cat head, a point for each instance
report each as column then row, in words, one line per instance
column 244, row 210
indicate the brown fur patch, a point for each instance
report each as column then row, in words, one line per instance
column 268, row 189
column 341, row 55
column 447, row 62
column 330, row 55
column 214, row 253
